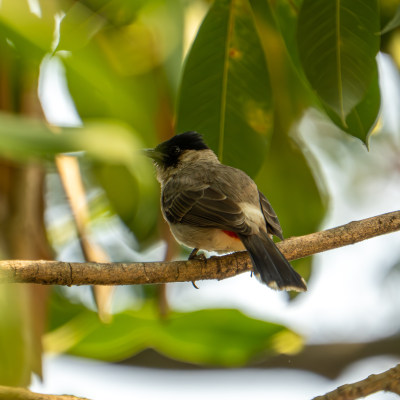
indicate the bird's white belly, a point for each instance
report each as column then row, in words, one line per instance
column 209, row 239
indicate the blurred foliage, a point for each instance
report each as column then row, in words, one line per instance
column 251, row 72
column 394, row 22
column 27, row 138
column 17, row 354
column 219, row 337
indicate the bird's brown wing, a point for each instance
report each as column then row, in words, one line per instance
column 203, row 206
column 271, row 219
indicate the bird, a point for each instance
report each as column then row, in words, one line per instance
column 215, row 207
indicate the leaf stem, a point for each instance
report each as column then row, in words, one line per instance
column 339, row 62
column 225, row 82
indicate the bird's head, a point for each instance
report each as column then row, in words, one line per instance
column 169, row 153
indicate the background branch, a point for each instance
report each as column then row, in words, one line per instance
column 388, row 381
column 313, row 357
column 71, row 179
column 14, row 393
column 64, row 273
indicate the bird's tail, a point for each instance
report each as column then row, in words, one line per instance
column 270, row 265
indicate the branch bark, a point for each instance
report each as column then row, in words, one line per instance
column 388, row 381
column 64, row 273
column 14, row 393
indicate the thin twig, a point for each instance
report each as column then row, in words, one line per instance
column 71, row 179
column 388, row 381
column 64, row 273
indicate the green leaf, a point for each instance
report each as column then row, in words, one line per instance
column 223, row 337
column 220, row 337
column 363, row 117
column 225, row 92
column 338, row 43
column 286, row 16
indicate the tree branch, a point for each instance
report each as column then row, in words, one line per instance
column 388, row 381
column 15, row 393
column 313, row 357
column 64, row 273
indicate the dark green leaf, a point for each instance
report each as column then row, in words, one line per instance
column 286, row 15
column 225, row 91
column 363, row 117
column 338, row 43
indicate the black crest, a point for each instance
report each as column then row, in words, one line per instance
column 174, row 147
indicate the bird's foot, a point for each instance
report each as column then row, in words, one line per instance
column 194, row 256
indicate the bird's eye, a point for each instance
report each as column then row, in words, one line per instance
column 177, row 150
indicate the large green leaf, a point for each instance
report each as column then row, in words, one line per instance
column 225, row 91
column 222, row 337
column 286, row 15
column 338, row 41
column 363, row 117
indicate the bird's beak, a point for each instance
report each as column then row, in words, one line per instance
column 153, row 154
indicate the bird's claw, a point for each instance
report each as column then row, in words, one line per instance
column 194, row 256
column 194, row 285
